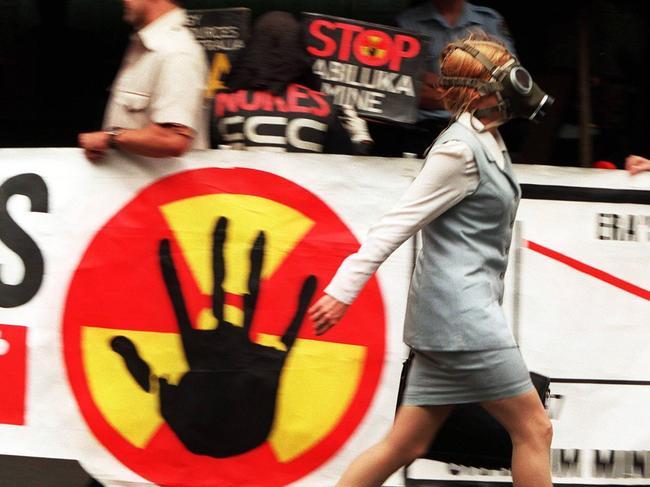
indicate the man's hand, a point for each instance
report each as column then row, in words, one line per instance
column 95, row 145
column 326, row 312
column 636, row 164
column 431, row 94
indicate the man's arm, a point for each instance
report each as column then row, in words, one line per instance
column 153, row 140
column 175, row 109
column 431, row 94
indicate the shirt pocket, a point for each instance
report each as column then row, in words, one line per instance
column 132, row 101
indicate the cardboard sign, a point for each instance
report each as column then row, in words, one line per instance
column 374, row 68
column 222, row 32
column 299, row 120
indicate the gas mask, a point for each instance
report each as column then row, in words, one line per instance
column 518, row 95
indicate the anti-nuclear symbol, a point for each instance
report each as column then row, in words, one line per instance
column 179, row 330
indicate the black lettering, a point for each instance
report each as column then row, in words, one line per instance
column 565, row 463
column 629, row 233
column 604, row 463
column 18, row 241
column 620, row 464
column 607, row 226
column 642, row 463
column 624, row 228
column 455, row 469
column 610, row 464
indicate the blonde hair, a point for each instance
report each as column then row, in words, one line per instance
column 455, row 62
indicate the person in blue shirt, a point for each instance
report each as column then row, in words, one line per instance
column 443, row 21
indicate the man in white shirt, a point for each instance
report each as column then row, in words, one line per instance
column 156, row 103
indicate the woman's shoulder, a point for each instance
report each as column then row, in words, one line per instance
column 457, row 148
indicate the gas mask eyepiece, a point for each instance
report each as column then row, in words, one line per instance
column 521, row 80
column 524, row 98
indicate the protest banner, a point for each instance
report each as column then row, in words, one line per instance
column 99, row 366
column 374, row 68
column 223, row 33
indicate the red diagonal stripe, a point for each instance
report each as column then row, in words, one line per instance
column 589, row 270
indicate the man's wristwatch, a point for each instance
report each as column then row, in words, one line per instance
column 112, row 135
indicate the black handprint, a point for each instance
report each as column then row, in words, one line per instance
column 225, row 404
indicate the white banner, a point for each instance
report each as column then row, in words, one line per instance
column 96, row 366
column 86, row 310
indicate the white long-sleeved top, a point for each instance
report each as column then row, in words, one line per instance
column 448, row 175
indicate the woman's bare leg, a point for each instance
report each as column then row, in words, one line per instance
column 412, row 432
column 531, row 432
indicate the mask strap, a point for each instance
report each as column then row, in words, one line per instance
column 488, row 112
column 484, row 60
column 483, row 87
column 487, row 126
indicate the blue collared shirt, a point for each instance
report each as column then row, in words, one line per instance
column 425, row 19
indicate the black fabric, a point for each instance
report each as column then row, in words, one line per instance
column 471, row 436
column 338, row 139
column 394, row 140
column 299, row 119
column 19, row 471
column 274, row 56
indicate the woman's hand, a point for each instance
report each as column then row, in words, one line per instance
column 326, row 312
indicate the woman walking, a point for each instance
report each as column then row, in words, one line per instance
column 464, row 201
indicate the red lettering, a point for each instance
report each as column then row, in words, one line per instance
column 298, row 99
column 370, row 47
column 255, row 101
column 249, row 102
column 323, row 109
column 13, row 371
column 265, row 101
column 346, row 39
column 412, row 46
column 225, row 102
column 260, row 101
column 280, row 104
column 329, row 45
column 296, row 93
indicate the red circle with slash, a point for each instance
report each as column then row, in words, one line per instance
column 117, row 289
